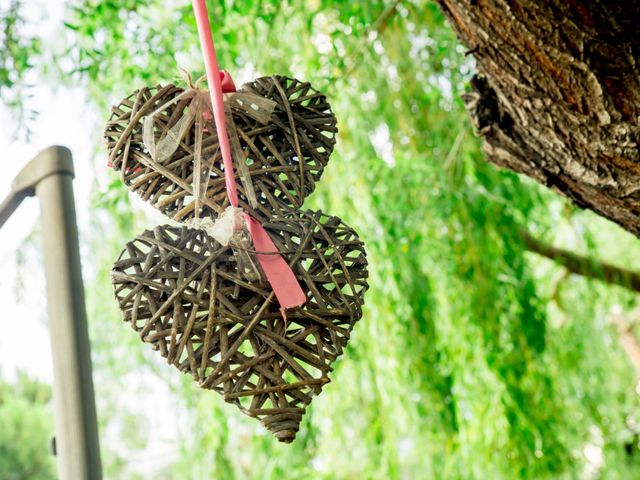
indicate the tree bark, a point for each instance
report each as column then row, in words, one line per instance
column 557, row 97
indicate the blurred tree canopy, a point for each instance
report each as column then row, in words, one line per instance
column 475, row 357
column 26, row 429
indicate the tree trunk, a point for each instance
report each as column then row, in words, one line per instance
column 558, row 95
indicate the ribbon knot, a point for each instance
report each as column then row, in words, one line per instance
column 198, row 111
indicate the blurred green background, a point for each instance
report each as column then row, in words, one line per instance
column 475, row 358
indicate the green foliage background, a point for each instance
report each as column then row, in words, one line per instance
column 475, row 359
column 25, row 430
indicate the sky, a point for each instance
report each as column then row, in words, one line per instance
column 64, row 119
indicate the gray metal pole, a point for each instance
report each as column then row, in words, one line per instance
column 49, row 175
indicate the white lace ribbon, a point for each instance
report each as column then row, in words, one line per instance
column 228, row 223
column 230, row 229
column 162, row 148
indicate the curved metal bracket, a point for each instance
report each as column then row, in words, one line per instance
column 55, row 160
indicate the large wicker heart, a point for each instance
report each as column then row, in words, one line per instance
column 183, row 293
column 285, row 158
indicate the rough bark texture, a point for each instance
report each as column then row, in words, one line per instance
column 558, row 95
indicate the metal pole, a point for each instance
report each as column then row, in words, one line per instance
column 49, row 175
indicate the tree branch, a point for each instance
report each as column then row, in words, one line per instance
column 582, row 265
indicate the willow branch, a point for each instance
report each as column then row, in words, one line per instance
column 379, row 26
column 582, row 265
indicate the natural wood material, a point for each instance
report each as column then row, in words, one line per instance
column 558, row 95
column 285, row 158
column 583, row 266
column 184, row 294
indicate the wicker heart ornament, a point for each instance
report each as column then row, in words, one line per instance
column 186, row 296
column 284, row 157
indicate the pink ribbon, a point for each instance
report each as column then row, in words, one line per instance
column 280, row 276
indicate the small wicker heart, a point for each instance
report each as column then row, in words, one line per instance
column 285, row 157
column 184, row 294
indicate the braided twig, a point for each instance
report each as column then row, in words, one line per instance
column 184, row 294
column 285, row 158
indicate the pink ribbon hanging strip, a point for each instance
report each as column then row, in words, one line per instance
column 280, row 276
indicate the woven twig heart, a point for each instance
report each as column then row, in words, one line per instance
column 182, row 291
column 286, row 157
